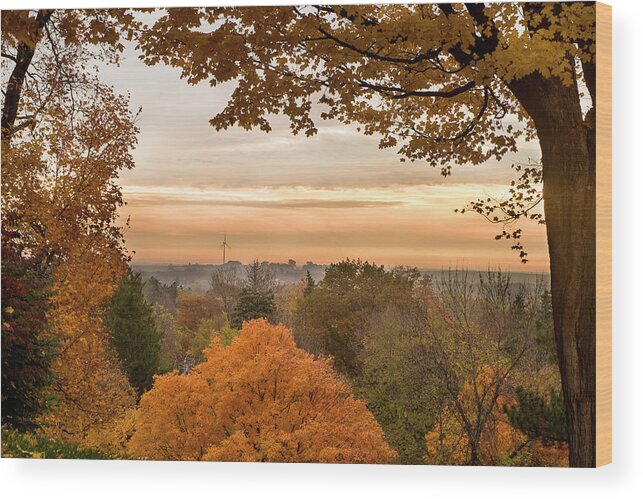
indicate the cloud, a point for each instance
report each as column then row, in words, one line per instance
column 151, row 200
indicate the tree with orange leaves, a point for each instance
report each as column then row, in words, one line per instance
column 66, row 137
column 175, row 419
column 456, row 437
column 260, row 399
column 192, row 308
column 482, row 341
column 90, row 389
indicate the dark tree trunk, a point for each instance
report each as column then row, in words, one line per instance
column 569, row 191
column 474, row 456
column 24, row 55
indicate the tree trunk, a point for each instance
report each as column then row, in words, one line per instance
column 24, row 54
column 569, row 191
column 473, row 461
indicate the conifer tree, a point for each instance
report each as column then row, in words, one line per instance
column 253, row 305
column 134, row 333
column 539, row 417
column 310, row 284
column 28, row 348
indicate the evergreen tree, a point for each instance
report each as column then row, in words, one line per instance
column 310, row 284
column 259, row 276
column 27, row 347
column 539, row 417
column 134, row 333
column 253, row 305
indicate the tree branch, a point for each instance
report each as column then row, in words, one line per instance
column 401, row 93
column 24, row 56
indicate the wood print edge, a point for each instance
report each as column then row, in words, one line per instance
column 603, row 234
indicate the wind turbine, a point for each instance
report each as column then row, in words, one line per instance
column 224, row 245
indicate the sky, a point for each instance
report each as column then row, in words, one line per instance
column 279, row 196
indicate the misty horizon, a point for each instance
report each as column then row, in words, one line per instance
column 300, row 266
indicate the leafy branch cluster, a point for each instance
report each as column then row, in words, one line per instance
column 523, row 201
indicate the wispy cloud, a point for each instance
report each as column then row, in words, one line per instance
column 147, row 201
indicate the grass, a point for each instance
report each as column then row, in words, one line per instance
column 35, row 446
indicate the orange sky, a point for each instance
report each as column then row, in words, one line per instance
column 324, row 198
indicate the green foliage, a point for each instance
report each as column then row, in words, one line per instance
column 371, row 322
column 203, row 335
column 227, row 334
column 539, row 417
column 133, row 332
column 331, row 317
column 396, row 383
column 167, row 327
column 310, row 284
column 33, row 445
column 27, row 347
column 253, row 305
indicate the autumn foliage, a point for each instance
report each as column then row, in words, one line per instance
column 453, row 440
column 260, row 399
column 66, row 137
